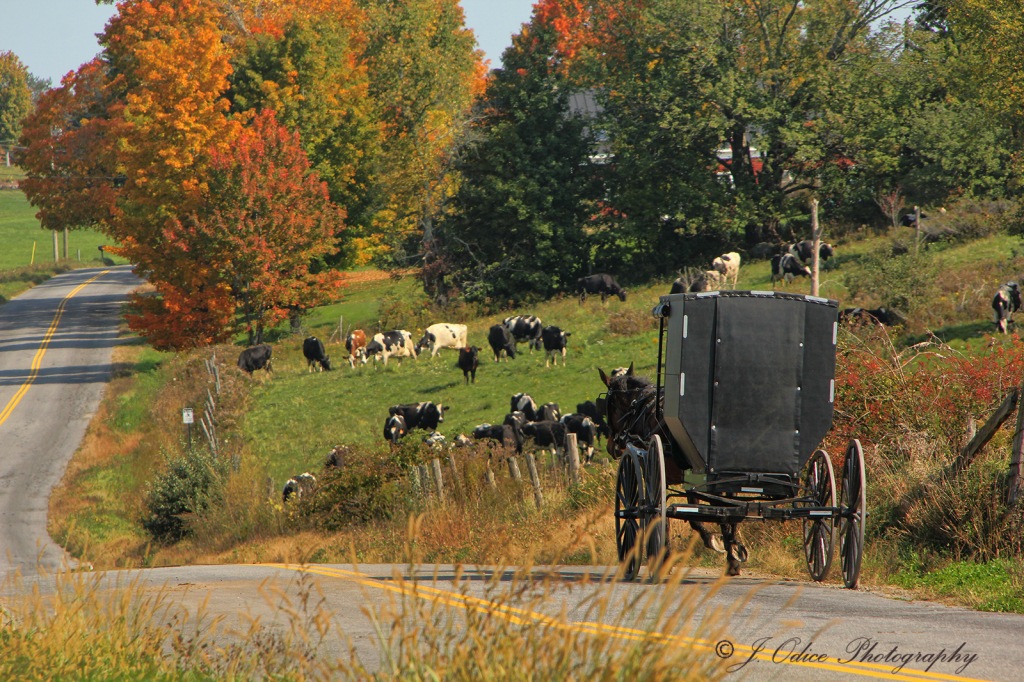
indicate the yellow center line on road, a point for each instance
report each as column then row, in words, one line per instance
column 37, row 361
column 524, row 616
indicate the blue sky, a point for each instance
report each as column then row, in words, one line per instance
column 53, row 37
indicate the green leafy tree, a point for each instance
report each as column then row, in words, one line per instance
column 528, row 187
column 15, row 96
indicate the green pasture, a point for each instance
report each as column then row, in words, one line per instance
column 20, row 230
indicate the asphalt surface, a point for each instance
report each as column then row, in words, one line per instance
column 56, row 341
column 55, row 345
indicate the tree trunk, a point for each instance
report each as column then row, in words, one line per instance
column 815, row 247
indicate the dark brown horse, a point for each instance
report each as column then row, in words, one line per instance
column 633, row 417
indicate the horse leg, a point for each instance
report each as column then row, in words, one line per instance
column 735, row 552
column 710, row 540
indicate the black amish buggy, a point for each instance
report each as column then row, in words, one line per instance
column 732, row 429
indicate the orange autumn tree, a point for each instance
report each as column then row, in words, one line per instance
column 266, row 217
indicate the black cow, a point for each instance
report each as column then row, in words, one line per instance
column 884, row 316
column 549, row 412
column 299, row 486
column 678, row 286
column 316, row 355
column 555, row 341
column 910, row 220
column 585, row 430
column 257, row 357
column 424, row 416
column 525, row 328
column 522, row 402
column 589, row 409
column 788, row 268
column 503, row 433
column 805, row 251
column 599, row 284
column 469, row 360
column 395, row 428
column 545, row 434
column 1004, row 304
column 500, row 340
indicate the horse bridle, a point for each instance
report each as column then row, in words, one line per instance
column 623, row 434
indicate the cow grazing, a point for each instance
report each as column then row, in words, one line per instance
column 910, row 220
column 257, row 357
column 805, row 251
column 461, row 441
column 585, row 430
column 393, row 344
column 728, row 266
column 435, row 440
column 883, row 316
column 316, row 355
column 589, row 409
column 545, row 434
column 709, row 280
column 395, row 428
column 525, row 328
column 1004, row 304
column 555, row 341
column 299, row 486
column 549, row 412
column 469, row 360
column 787, row 267
column 424, row 416
column 618, row 372
column 502, row 433
column 355, row 344
column 515, row 419
column 522, row 402
column 440, row 336
column 599, row 284
column 678, row 286
column 500, row 340
column 338, row 457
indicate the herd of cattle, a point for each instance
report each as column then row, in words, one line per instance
column 545, row 426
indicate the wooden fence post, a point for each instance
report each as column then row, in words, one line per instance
column 437, row 478
column 1016, row 480
column 513, row 468
column 538, row 496
column 815, row 248
column 917, row 228
column 424, row 479
column 573, row 453
column 455, row 472
column 490, row 476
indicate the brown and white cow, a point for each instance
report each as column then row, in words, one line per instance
column 355, row 344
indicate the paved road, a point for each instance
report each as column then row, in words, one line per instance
column 55, row 345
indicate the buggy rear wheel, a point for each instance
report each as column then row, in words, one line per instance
column 820, row 531
column 853, row 510
column 629, row 496
column 657, row 523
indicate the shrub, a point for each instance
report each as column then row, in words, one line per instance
column 902, row 282
column 630, row 322
column 190, row 485
column 969, row 219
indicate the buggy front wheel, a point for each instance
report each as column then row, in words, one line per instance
column 657, row 523
column 629, row 496
column 853, row 510
column 820, row 529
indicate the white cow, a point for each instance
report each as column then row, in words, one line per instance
column 442, row 335
column 728, row 265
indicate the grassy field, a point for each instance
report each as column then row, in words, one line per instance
column 19, row 231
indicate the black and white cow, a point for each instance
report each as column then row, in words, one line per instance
column 599, row 284
column 555, row 341
column 805, row 251
column 525, row 328
column 338, row 457
column 393, row 344
column 435, row 440
column 589, row 409
column 884, row 316
column 502, row 433
column 469, row 360
column 585, row 430
column 522, row 402
column 678, row 286
column 424, row 416
column 395, row 428
column 257, row 357
column 316, row 355
column 500, row 340
column 549, row 412
column 787, row 267
column 1004, row 304
column 299, row 486
column 545, row 434
column 440, row 336
column 910, row 220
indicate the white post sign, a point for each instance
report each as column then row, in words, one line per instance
column 186, row 416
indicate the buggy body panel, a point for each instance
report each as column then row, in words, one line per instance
column 749, row 379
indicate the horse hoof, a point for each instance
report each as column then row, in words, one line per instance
column 741, row 552
column 732, row 569
column 716, row 543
